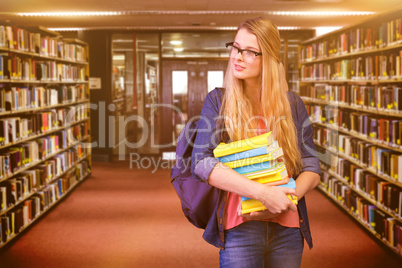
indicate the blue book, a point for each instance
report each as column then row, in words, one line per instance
column 256, row 167
column 371, row 218
column 249, row 153
column 290, row 184
column 60, row 187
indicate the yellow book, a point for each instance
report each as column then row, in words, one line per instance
column 252, row 205
column 275, row 175
column 243, row 145
column 255, row 174
column 256, row 159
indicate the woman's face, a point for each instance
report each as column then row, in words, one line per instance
column 250, row 72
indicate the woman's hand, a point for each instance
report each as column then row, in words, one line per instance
column 277, row 201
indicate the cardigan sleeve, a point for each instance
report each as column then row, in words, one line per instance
column 304, row 128
column 208, row 137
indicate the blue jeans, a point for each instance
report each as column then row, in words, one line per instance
column 256, row 244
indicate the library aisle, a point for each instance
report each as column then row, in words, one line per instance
column 122, row 217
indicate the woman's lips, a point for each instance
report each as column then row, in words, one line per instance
column 238, row 67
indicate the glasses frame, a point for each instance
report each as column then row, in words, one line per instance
column 239, row 50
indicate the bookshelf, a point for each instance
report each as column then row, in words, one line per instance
column 44, row 124
column 351, row 84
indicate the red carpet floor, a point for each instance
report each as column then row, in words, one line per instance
column 122, row 217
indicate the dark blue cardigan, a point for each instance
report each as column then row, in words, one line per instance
column 203, row 161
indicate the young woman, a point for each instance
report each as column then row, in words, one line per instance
column 256, row 100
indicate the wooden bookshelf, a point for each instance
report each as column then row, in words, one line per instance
column 351, row 84
column 44, row 124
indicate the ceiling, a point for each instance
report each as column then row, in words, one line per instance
column 187, row 14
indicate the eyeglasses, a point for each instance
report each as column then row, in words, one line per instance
column 248, row 55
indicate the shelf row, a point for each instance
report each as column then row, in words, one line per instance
column 387, row 113
column 376, row 100
column 367, row 82
column 361, row 39
column 326, row 129
column 16, row 68
column 384, row 99
column 5, row 50
column 383, row 132
column 25, row 127
column 28, row 134
column 14, row 191
column 30, row 209
column 14, row 99
column 20, row 157
column 384, row 228
column 386, row 68
column 41, row 42
column 341, row 55
column 38, row 109
column 40, row 82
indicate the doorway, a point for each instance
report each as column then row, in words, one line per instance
column 186, row 83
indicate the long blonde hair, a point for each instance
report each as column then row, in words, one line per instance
column 237, row 113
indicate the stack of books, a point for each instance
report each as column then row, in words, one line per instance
column 257, row 159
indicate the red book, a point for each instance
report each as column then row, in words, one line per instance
column 45, row 126
column 381, row 129
column 28, row 204
column 15, row 37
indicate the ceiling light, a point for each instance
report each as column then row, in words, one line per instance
column 321, row 13
column 200, row 12
column 65, row 29
column 178, row 49
column 323, row 30
column 119, row 57
column 176, row 42
column 122, row 41
column 71, row 14
column 289, row 28
column 170, row 28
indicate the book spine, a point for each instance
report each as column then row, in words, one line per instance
column 267, row 173
column 257, row 159
column 242, row 145
column 256, row 167
column 249, row 153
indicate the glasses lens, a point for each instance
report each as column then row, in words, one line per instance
column 232, row 51
column 248, row 56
